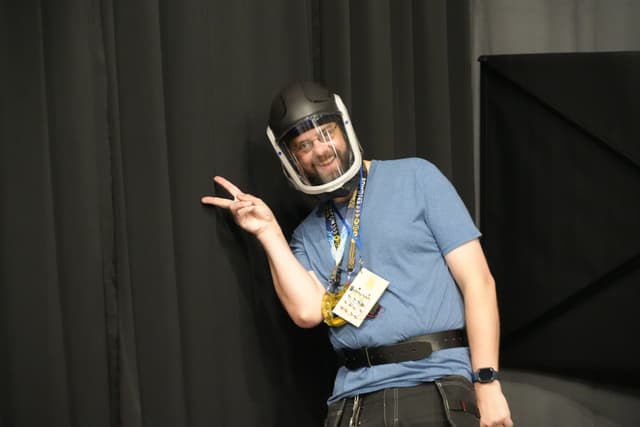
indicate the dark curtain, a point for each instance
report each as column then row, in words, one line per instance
column 123, row 301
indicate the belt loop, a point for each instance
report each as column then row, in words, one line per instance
column 366, row 352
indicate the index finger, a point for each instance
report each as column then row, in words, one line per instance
column 227, row 185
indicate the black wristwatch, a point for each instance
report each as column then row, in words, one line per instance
column 485, row 375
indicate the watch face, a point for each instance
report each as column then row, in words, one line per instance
column 485, row 375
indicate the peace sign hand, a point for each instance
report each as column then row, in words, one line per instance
column 248, row 211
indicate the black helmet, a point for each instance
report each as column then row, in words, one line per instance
column 307, row 108
column 297, row 102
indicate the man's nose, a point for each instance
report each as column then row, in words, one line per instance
column 321, row 145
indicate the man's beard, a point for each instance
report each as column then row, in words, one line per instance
column 317, row 178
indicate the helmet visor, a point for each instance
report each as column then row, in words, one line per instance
column 319, row 150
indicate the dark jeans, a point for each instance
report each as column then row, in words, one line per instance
column 449, row 401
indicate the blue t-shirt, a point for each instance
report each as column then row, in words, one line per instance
column 411, row 217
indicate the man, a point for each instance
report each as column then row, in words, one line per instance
column 390, row 260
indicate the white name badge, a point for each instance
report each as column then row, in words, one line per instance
column 363, row 293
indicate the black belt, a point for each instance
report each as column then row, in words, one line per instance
column 415, row 348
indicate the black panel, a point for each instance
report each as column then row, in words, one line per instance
column 560, row 208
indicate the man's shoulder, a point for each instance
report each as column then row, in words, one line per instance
column 407, row 164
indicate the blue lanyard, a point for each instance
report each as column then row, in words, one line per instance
column 346, row 225
column 334, row 238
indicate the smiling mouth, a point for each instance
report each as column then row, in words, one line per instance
column 327, row 162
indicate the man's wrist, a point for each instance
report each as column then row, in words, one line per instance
column 269, row 231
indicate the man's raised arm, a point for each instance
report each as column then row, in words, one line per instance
column 298, row 289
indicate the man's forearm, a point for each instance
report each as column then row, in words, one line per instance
column 299, row 291
column 483, row 325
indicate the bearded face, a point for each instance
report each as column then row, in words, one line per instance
column 321, row 153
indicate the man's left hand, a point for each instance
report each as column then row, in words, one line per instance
column 493, row 406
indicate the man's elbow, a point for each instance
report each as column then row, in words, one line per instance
column 489, row 281
column 306, row 318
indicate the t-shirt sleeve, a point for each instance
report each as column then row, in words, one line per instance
column 447, row 215
column 297, row 247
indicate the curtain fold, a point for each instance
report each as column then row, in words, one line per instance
column 124, row 384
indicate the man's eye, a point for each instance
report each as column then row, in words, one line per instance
column 304, row 145
column 326, row 133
